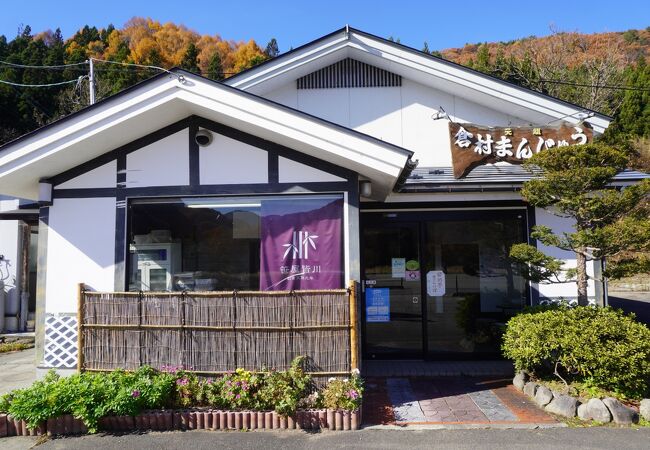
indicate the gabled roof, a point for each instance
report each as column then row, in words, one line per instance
column 169, row 97
column 418, row 66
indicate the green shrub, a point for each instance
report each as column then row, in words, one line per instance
column 601, row 347
column 282, row 391
column 344, row 393
column 90, row 396
column 239, row 389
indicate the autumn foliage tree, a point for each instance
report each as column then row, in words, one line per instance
column 141, row 41
column 608, row 221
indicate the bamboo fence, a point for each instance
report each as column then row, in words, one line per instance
column 212, row 333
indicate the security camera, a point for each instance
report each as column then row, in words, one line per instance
column 203, row 138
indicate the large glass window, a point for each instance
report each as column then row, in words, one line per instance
column 243, row 243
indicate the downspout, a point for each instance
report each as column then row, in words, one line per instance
column 409, row 167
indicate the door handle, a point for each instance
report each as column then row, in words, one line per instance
column 416, row 299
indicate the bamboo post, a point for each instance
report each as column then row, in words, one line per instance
column 354, row 348
column 80, row 319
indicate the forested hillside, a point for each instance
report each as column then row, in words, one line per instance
column 606, row 72
column 141, row 41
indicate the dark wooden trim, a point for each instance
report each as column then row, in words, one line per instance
column 31, row 218
column 193, row 123
column 194, row 156
column 272, row 147
column 273, row 167
column 206, row 189
column 120, row 226
column 370, row 206
column 120, row 151
column 84, row 193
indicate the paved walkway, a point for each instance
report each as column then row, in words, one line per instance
column 449, row 401
column 17, row 370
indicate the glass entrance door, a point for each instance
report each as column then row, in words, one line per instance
column 478, row 287
column 439, row 284
column 392, row 290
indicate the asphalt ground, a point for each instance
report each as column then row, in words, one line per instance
column 635, row 302
column 554, row 438
column 17, row 370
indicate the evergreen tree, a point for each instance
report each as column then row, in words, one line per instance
column 272, row 49
column 633, row 117
column 190, row 59
column 576, row 184
column 482, row 62
column 425, row 48
column 215, row 68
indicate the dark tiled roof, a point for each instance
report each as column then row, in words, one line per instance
column 487, row 177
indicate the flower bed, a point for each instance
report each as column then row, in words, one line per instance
column 174, row 398
column 195, row 419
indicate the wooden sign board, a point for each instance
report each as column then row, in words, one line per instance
column 475, row 145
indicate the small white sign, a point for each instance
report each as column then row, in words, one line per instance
column 436, row 283
column 399, row 267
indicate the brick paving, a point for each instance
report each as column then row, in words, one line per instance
column 447, row 400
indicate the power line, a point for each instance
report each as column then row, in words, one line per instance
column 135, row 65
column 55, row 66
column 62, row 67
column 599, row 86
column 77, row 80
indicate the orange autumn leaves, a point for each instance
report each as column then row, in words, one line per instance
column 147, row 41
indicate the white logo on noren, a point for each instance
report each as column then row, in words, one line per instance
column 299, row 245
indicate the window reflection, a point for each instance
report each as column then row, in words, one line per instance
column 207, row 244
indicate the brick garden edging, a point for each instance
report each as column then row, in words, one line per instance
column 191, row 419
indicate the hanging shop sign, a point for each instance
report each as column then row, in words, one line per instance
column 301, row 249
column 474, row 145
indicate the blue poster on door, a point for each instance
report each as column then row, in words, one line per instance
column 377, row 305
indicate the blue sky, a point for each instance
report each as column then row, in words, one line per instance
column 442, row 23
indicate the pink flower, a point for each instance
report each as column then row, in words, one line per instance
column 238, row 397
column 353, row 394
column 182, row 381
column 135, row 394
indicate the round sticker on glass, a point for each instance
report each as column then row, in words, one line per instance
column 412, row 264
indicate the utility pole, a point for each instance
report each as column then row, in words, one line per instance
column 91, row 81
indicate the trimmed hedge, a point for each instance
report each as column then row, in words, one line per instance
column 601, row 347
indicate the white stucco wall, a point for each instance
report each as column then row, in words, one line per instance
column 164, row 163
column 399, row 115
column 229, row 161
column 80, row 249
column 101, row 177
column 290, row 171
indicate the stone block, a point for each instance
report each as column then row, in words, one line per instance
column 622, row 415
column 563, row 405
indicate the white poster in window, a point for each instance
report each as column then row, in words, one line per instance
column 436, row 283
column 399, row 267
